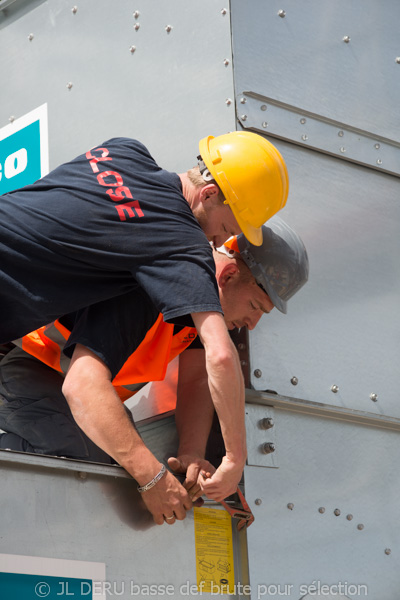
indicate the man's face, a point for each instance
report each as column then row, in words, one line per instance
column 244, row 303
column 216, row 220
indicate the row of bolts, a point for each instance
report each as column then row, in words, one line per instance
column 168, row 28
column 334, row 388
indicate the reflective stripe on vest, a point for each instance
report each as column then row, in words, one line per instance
column 148, row 362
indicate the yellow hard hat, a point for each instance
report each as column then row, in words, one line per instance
column 252, row 176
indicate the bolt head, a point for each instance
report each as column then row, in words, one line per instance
column 336, row 512
column 290, row 506
column 294, row 381
column 388, row 551
column 321, row 510
column 257, row 501
column 282, row 14
column 136, row 14
column 334, row 389
column 374, row 397
column 346, row 39
column 257, row 373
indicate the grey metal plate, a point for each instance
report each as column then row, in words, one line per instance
column 170, row 92
column 298, row 541
column 301, row 58
column 342, row 328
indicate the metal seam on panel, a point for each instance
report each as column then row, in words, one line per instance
column 319, row 133
column 317, row 409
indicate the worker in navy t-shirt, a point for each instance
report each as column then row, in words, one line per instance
column 111, row 221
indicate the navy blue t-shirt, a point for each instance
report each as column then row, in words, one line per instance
column 97, row 227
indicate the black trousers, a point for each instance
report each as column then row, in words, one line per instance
column 35, row 415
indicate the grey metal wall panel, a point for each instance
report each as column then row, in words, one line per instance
column 302, row 60
column 326, row 75
column 169, row 92
column 328, row 514
column 342, row 328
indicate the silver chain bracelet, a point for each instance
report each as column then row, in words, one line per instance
column 153, row 482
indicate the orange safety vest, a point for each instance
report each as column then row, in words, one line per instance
column 148, row 362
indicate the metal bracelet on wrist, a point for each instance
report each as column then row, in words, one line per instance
column 153, row 482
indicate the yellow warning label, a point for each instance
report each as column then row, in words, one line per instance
column 214, row 551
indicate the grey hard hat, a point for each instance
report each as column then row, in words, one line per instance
column 280, row 264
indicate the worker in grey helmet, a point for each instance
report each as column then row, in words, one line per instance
column 48, row 406
column 280, row 265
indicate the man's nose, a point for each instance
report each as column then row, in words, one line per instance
column 252, row 321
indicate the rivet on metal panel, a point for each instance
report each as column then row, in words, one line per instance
column 264, row 124
column 257, row 373
column 228, row 101
column 243, row 100
column 263, row 107
column 243, row 363
column 11, row 119
column 266, row 423
column 30, row 37
column 257, row 501
column 241, row 346
column 377, row 146
column 379, row 161
column 304, row 137
column 342, row 149
column 226, row 62
column 282, row 13
column 340, row 133
column 374, row 397
column 303, row 121
column 223, row 12
column 294, row 381
column 321, row 510
column 244, row 117
column 346, row 39
column 398, row 60
column 267, row 448
column 360, row 527
column 349, row 517
column 132, row 49
column 136, row 14
column 74, row 10
column 69, row 85
column 168, row 28
column 334, row 389
column 336, row 512
column 290, row 506
column 388, row 551
column 136, row 27
column 81, row 475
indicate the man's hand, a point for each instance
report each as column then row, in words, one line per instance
column 167, row 500
column 193, row 467
column 224, row 482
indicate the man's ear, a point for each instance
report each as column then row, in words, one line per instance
column 228, row 274
column 209, row 192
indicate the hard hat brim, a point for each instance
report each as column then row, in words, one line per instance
column 253, row 234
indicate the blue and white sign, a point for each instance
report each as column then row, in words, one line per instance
column 24, row 150
column 33, row 577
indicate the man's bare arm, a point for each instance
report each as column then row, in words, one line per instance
column 98, row 411
column 226, row 386
column 193, row 416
